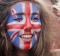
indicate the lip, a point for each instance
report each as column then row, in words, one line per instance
column 26, row 37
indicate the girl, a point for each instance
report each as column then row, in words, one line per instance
column 24, row 28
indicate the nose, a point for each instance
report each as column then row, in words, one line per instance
column 28, row 25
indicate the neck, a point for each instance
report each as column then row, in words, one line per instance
column 21, row 53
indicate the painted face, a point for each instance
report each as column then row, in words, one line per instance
column 24, row 25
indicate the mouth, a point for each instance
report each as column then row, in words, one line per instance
column 26, row 37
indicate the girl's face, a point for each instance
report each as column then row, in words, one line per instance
column 24, row 25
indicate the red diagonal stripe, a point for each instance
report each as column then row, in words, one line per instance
column 13, row 35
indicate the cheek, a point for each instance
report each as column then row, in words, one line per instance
column 36, row 29
column 13, row 30
column 13, row 35
column 36, row 26
column 14, row 26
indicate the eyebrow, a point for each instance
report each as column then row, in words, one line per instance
column 35, row 13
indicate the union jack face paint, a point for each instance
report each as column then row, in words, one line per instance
column 24, row 25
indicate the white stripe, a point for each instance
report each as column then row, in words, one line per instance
column 32, row 31
column 14, row 30
column 14, row 38
column 32, row 40
column 21, row 32
column 36, row 36
column 21, row 45
column 15, row 22
column 30, row 44
column 23, row 10
column 15, row 16
column 35, row 23
column 23, row 7
column 37, row 30
column 12, row 12
column 31, row 8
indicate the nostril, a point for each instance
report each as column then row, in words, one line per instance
column 27, row 29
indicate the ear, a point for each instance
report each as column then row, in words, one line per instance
column 56, row 10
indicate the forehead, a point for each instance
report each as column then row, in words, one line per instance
column 25, row 6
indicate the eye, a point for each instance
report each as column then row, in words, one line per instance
column 18, row 19
column 35, row 19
